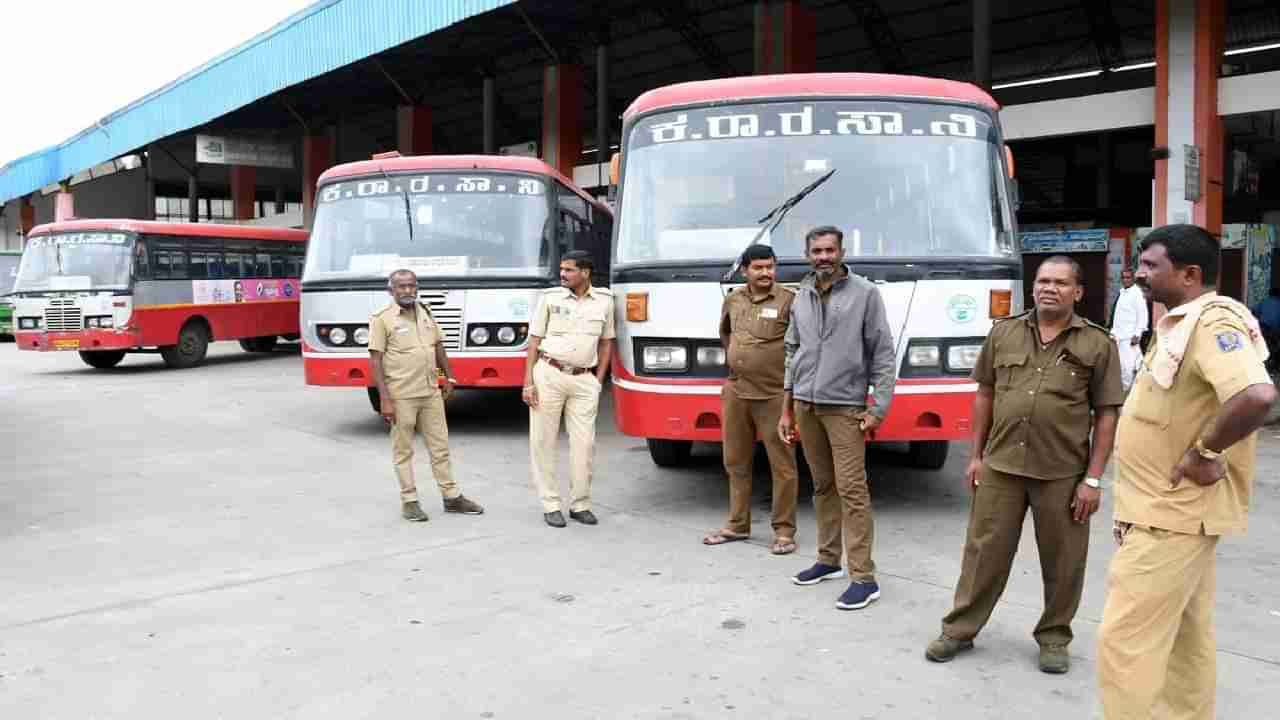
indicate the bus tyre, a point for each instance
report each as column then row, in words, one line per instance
column 102, row 359
column 193, row 344
column 929, row 454
column 669, row 453
column 375, row 400
column 263, row 344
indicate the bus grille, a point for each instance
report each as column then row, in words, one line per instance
column 448, row 317
column 62, row 315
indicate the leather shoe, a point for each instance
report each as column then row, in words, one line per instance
column 554, row 519
column 586, row 517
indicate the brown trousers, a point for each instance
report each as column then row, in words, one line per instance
column 423, row 415
column 1156, row 647
column 744, row 420
column 836, row 450
column 996, row 512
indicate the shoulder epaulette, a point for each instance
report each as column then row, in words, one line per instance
column 552, row 290
column 1105, row 330
column 602, row 291
column 1019, row 316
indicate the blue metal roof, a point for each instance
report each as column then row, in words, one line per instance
column 322, row 37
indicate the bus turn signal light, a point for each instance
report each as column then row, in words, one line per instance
column 637, row 307
column 1001, row 304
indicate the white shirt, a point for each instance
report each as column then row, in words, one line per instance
column 1130, row 319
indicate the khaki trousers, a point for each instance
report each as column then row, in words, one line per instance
column 996, row 512
column 421, row 415
column 576, row 398
column 744, row 420
column 836, row 450
column 1156, row 646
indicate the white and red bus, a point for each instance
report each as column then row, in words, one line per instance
column 484, row 235
column 920, row 190
column 106, row 288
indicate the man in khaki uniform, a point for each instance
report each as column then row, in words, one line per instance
column 753, row 323
column 404, row 352
column 1044, row 421
column 570, row 342
column 1185, row 454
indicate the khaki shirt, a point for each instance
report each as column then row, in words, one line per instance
column 1045, row 394
column 1157, row 426
column 407, row 339
column 756, row 352
column 571, row 328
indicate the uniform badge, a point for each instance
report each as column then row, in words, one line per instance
column 769, row 313
column 1229, row 341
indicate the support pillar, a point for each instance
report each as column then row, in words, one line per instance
column 490, row 115
column 562, row 117
column 785, row 38
column 603, row 131
column 982, row 44
column 243, row 191
column 193, row 198
column 280, row 201
column 26, row 216
column 1189, row 42
column 64, row 203
column 413, row 130
column 317, row 156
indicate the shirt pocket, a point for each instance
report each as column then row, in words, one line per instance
column 593, row 326
column 1148, row 403
column 1069, row 376
column 1008, row 366
column 560, row 321
column 764, row 328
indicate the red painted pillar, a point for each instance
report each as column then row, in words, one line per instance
column 1189, row 42
column 785, row 38
column 562, row 117
column 317, row 156
column 243, row 179
column 26, row 216
column 413, row 130
column 64, row 203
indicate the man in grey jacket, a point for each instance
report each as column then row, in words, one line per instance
column 838, row 344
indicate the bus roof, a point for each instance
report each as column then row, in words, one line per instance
column 811, row 84
column 151, row 227
column 496, row 163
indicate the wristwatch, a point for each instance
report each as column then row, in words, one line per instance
column 1093, row 482
column 1205, row 452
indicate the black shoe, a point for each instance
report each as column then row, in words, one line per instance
column 586, row 517
column 412, row 512
column 554, row 519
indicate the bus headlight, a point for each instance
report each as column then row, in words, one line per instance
column 665, row 358
column 506, row 334
column 361, row 336
column 963, row 357
column 337, row 336
column 479, row 335
column 710, row 356
column 923, row 356
column 29, row 323
column 98, row 321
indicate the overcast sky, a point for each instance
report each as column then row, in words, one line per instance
column 70, row 62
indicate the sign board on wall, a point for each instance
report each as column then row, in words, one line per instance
column 1094, row 240
column 525, row 149
column 219, row 150
column 1191, row 173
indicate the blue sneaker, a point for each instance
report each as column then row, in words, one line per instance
column 859, row 595
column 817, row 574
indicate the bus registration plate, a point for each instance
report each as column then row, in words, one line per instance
column 71, row 344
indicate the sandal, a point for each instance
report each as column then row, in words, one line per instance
column 723, row 536
column 783, row 546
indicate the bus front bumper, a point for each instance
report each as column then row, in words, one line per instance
column 88, row 340
column 474, row 370
column 934, row 409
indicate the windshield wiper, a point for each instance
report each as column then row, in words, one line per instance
column 776, row 215
column 408, row 214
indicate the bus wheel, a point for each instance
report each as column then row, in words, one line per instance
column 102, row 359
column 928, row 454
column 669, row 453
column 264, row 344
column 375, row 400
column 193, row 344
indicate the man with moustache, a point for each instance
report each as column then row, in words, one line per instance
column 753, row 322
column 837, row 345
column 1129, row 320
column 404, row 352
column 1044, row 420
column 570, row 342
column 1185, row 459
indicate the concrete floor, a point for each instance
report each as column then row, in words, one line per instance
column 224, row 542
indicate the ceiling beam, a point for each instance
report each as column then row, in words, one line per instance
column 677, row 17
column 880, row 35
column 1105, row 33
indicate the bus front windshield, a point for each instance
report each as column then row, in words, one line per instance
column 912, row 180
column 94, row 260
column 472, row 225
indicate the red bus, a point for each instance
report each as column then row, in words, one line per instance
column 484, row 234
column 105, row 288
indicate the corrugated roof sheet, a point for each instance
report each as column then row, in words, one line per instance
column 318, row 39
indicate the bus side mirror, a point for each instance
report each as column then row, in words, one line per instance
column 1008, row 158
column 615, row 165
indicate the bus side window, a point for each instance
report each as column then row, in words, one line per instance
column 141, row 260
column 239, row 259
column 262, row 268
column 170, row 257
column 277, row 264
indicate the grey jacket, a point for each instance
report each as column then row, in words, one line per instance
column 834, row 354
